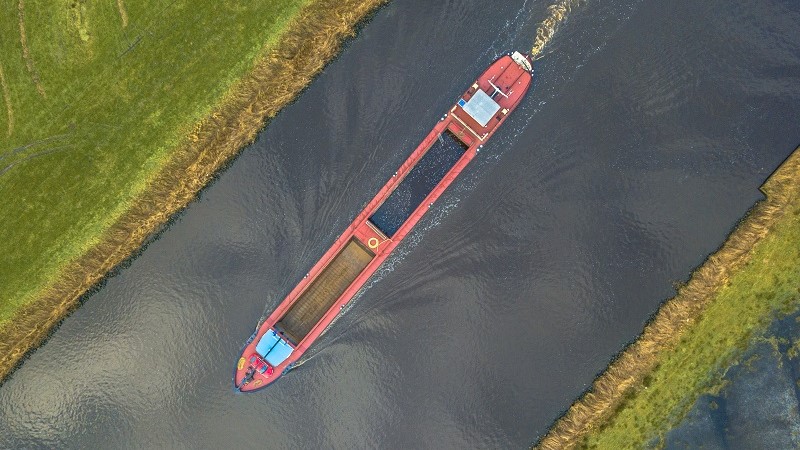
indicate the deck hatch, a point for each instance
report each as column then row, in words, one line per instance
column 273, row 348
column 267, row 342
column 279, row 353
column 481, row 107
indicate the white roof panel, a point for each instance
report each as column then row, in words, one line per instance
column 481, row 107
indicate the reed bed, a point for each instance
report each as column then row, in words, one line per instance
column 628, row 373
column 311, row 40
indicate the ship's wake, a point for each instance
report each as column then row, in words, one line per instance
column 558, row 13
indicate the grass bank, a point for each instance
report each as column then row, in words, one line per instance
column 694, row 336
column 117, row 114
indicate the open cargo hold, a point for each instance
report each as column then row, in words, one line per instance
column 323, row 292
column 428, row 172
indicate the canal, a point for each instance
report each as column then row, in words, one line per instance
column 644, row 139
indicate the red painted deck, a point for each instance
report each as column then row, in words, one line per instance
column 512, row 80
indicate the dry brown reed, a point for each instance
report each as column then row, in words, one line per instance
column 628, row 370
column 312, row 39
column 123, row 14
column 7, row 98
column 26, row 54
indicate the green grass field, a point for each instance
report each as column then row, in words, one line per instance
column 769, row 285
column 96, row 95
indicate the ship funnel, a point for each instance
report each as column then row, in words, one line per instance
column 522, row 60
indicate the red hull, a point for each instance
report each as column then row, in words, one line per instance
column 506, row 82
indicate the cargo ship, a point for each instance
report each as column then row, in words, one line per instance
column 306, row 312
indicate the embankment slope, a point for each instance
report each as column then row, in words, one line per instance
column 694, row 336
column 181, row 163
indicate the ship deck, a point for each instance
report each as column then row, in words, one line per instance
column 383, row 223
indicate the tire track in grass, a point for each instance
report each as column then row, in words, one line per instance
column 26, row 54
column 7, row 97
column 123, row 14
column 31, row 156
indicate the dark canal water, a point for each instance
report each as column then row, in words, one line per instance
column 647, row 133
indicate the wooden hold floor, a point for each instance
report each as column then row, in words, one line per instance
column 323, row 292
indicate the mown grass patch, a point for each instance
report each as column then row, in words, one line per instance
column 96, row 96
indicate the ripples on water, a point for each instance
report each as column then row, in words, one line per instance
column 647, row 133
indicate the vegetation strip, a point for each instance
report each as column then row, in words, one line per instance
column 311, row 40
column 731, row 297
